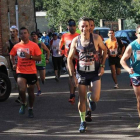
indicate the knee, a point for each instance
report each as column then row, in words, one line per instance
column 95, row 99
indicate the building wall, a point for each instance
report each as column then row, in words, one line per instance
column 26, row 16
column 42, row 22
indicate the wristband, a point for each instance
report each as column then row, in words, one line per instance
column 101, row 65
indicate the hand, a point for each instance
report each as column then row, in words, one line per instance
column 47, row 61
column 74, row 81
column 101, row 71
column 130, row 70
column 59, row 52
column 120, row 56
column 27, row 55
column 14, row 66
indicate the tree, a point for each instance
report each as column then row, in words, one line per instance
column 60, row 11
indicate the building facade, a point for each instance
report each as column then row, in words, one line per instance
column 26, row 17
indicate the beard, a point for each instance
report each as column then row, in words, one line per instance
column 72, row 31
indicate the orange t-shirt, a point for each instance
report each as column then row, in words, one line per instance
column 24, row 65
column 112, row 46
column 67, row 39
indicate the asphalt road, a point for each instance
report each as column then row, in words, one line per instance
column 115, row 118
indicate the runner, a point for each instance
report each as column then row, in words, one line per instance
column 9, row 45
column 28, row 52
column 67, row 39
column 56, row 57
column 133, row 52
column 41, row 65
column 89, row 69
column 91, row 105
column 115, row 52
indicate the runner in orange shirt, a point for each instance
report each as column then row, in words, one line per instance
column 28, row 52
column 67, row 39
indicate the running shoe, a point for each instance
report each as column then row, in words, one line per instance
column 38, row 93
column 30, row 113
column 22, row 109
column 72, row 98
column 116, row 86
column 88, row 116
column 92, row 104
column 83, row 127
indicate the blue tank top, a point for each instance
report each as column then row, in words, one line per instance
column 88, row 58
column 135, row 58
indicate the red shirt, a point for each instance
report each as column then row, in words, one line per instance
column 67, row 39
column 24, row 65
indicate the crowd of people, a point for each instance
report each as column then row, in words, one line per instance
column 82, row 55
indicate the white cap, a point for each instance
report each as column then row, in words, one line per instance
column 14, row 27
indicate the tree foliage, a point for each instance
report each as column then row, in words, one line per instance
column 60, row 11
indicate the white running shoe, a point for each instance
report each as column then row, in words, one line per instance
column 116, row 86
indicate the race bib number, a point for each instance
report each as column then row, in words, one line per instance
column 87, row 66
column 138, row 54
column 113, row 51
column 21, row 52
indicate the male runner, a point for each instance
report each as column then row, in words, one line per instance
column 91, row 105
column 133, row 52
column 9, row 45
column 89, row 69
column 41, row 65
column 115, row 51
column 28, row 52
column 67, row 39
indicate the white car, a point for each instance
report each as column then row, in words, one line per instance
column 5, row 83
column 103, row 31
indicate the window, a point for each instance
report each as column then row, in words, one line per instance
column 124, row 34
column 117, row 34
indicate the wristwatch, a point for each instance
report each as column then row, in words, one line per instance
column 31, row 57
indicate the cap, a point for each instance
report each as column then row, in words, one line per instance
column 54, row 34
column 14, row 27
column 34, row 33
column 71, row 22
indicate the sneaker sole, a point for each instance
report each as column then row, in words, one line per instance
column 83, row 131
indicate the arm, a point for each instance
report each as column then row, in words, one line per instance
column 103, row 47
column 12, row 58
column 126, row 56
column 46, row 49
column 123, row 49
column 70, row 58
column 61, row 43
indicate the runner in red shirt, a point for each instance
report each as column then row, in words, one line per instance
column 66, row 40
column 28, row 52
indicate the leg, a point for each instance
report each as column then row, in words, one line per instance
column 22, row 85
column 96, row 90
column 82, row 107
column 42, row 75
column 113, row 72
column 118, row 71
column 31, row 96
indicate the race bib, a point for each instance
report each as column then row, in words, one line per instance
column 67, row 44
column 21, row 52
column 87, row 66
column 113, row 51
column 138, row 54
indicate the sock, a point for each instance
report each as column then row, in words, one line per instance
column 82, row 116
column 43, row 82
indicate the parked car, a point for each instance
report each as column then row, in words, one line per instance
column 127, row 36
column 5, row 83
column 103, row 31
